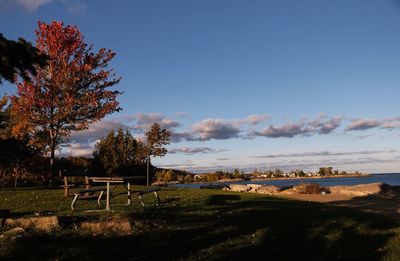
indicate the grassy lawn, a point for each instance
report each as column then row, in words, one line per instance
column 206, row 225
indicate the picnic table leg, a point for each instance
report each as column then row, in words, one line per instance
column 108, row 196
column 87, row 186
column 129, row 194
column 140, row 196
column 66, row 188
column 73, row 201
column 157, row 199
column 99, row 198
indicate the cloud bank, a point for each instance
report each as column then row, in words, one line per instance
column 321, row 125
column 366, row 124
column 321, row 154
column 249, row 127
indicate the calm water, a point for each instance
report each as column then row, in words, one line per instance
column 391, row 179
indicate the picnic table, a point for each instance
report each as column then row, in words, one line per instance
column 113, row 182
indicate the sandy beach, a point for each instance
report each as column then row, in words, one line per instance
column 378, row 198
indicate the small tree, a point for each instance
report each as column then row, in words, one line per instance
column 117, row 153
column 156, row 139
column 278, row 173
column 325, row 171
column 71, row 91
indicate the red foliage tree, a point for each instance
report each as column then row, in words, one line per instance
column 71, row 91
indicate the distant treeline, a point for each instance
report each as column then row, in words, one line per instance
column 23, row 163
column 171, row 175
column 34, row 171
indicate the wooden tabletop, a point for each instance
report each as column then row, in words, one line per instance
column 116, row 179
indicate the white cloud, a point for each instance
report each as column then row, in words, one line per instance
column 321, row 125
column 77, row 7
column 96, row 131
column 366, row 124
column 363, row 124
column 145, row 120
column 214, row 129
column 257, row 119
column 195, row 150
column 79, row 150
column 32, row 5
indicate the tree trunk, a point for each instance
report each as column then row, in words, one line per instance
column 15, row 177
column 148, row 170
column 16, row 181
column 52, row 156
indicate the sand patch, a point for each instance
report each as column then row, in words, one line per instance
column 379, row 198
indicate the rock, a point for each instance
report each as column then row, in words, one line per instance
column 160, row 184
column 360, row 190
column 254, row 187
column 270, row 190
column 14, row 232
column 16, row 237
column 288, row 191
column 38, row 223
column 239, row 188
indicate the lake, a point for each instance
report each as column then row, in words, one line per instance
column 388, row 178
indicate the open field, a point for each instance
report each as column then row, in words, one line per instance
column 203, row 224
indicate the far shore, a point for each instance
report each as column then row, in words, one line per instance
column 264, row 179
column 314, row 177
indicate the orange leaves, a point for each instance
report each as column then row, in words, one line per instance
column 73, row 89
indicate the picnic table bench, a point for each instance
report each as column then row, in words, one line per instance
column 87, row 194
column 140, row 194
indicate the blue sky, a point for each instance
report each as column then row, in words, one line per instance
column 245, row 84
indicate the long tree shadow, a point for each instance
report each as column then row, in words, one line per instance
column 228, row 227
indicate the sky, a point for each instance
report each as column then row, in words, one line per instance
column 243, row 84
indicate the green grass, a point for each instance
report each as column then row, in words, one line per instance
column 194, row 224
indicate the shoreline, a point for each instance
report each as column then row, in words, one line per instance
column 314, row 177
column 263, row 179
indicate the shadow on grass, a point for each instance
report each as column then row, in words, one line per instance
column 222, row 199
column 227, row 227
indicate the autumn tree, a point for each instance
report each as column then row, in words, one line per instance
column 16, row 153
column 156, row 139
column 18, row 58
column 72, row 91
